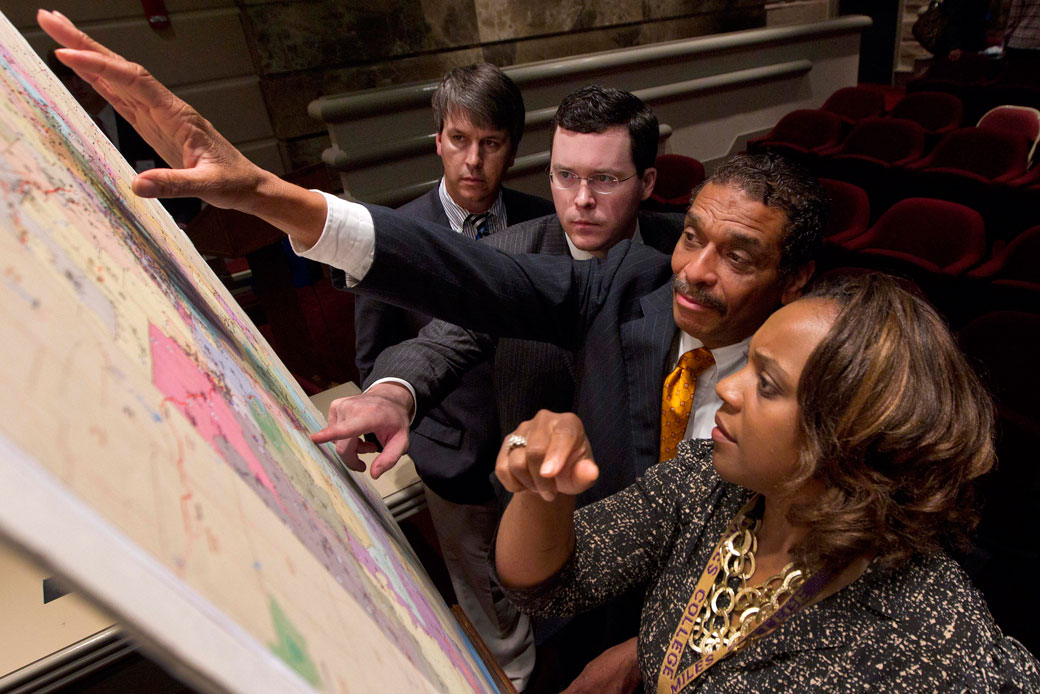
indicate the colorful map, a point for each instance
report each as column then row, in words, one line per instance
column 135, row 392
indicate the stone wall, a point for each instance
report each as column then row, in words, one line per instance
column 307, row 48
column 252, row 66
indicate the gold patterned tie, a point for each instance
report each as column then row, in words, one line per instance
column 677, row 400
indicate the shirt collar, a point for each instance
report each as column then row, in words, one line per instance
column 457, row 214
column 579, row 254
column 725, row 357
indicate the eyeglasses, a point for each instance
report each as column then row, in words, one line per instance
column 601, row 183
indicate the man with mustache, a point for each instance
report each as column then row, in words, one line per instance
column 747, row 247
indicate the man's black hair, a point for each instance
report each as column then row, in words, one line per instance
column 595, row 109
column 783, row 185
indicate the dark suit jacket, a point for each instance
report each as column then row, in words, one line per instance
column 462, row 428
column 528, row 375
column 612, row 326
column 615, row 315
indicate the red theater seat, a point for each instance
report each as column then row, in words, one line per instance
column 1017, row 264
column 801, row 134
column 937, row 112
column 853, row 104
column 935, row 235
column 850, row 211
column 1017, row 120
column 677, row 176
column 969, row 165
column 869, row 154
column 992, row 154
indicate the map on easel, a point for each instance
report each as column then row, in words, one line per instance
column 154, row 451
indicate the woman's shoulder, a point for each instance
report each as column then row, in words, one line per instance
column 933, row 580
column 944, row 625
column 691, row 468
column 930, row 596
column 703, row 492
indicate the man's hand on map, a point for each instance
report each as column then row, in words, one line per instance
column 205, row 164
column 384, row 410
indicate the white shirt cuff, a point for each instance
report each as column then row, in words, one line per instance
column 348, row 239
column 400, row 382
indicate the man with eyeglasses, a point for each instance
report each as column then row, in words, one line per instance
column 603, row 146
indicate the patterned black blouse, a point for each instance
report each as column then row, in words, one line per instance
column 920, row 628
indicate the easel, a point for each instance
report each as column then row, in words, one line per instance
column 497, row 674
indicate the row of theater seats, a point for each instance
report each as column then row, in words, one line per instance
column 918, row 151
column 981, row 83
column 939, row 235
column 992, row 301
column 941, row 246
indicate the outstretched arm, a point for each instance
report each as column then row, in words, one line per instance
column 205, row 165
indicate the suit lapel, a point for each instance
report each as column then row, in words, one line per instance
column 645, row 343
column 554, row 241
column 437, row 207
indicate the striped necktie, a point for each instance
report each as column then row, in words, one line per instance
column 677, row 398
column 476, row 226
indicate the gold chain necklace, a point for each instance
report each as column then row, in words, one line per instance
column 733, row 608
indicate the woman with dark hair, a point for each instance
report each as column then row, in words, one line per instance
column 803, row 547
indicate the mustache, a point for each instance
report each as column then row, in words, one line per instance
column 679, row 284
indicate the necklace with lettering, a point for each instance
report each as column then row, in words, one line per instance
column 724, row 614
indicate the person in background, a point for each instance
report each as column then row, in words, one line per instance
column 965, row 29
column 1022, row 37
column 479, row 115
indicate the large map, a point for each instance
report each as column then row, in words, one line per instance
column 154, row 451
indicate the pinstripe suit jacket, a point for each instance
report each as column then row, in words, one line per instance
column 457, row 434
column 381, row 325
column 615, row 315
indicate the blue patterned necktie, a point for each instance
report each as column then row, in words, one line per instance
column 476, row 226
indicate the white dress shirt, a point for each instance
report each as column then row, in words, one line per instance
column 457, row 215
column 728, row 360
column 347, row 241
column 579, row 254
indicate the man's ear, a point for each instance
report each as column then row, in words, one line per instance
column 437, row 139
column 796, row 281
column 647, row 181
